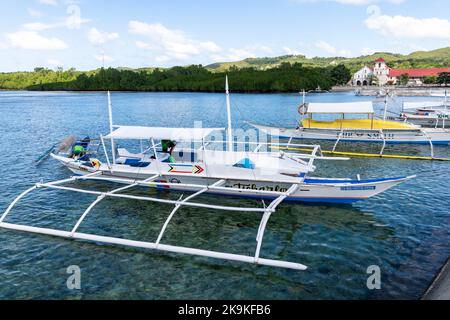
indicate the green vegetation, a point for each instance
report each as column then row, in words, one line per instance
column 443, row 78
column 284, row 78
column 404, row 79
column 420, row 59
column 278, row 74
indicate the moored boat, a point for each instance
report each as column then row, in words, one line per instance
column 170, row 163
column 350, row 129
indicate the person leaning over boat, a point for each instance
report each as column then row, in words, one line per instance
column 79, row 149
column 167, row 148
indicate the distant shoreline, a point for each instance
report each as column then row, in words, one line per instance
column 132, row 91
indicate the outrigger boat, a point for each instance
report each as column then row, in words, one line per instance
column 350, row 129
column 409, row 106
column 435, row 118
column 426, row 113
column 271, row 176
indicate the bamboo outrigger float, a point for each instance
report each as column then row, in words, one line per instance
column 271, row 176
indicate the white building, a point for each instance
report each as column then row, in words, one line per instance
column 382, row 75
column 380, row 72
column 362, row 77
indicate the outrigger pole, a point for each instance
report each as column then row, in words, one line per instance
column 111, row 129
column 278, row 197
column 230, row 130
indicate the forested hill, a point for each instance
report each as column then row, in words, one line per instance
column 284, row 78
column 439, row 58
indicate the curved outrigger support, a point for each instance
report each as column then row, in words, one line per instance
column 279, row 197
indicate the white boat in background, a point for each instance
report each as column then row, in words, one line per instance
column 272, row 176
column 367, row 129
column 426, row 113
column 434, row 118
column 423, row 105
column 441, row 93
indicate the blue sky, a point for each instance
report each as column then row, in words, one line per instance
column 137, row 33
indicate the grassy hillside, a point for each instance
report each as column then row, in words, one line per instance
column 419, row 59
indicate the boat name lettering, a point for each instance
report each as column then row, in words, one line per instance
column 253, row 186
column 375, row 135
column 356, row 188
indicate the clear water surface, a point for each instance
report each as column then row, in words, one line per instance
column 404, row 231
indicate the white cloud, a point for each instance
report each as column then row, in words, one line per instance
column 237, row 54
column 240, row 54
column 144, row 45
column 49, row 2
column 37, row 26
column 325, row 46
column 31, row 40
column 54, row 63
column 290, row 51
column 72, row 21
column 353, row 2
column 210, row 46
column 162, row 59
column 97, row 37
column 35, row 13
column 345, row 53
column 233, row 54
column 170, row 43
column 260, row 48
column 407, row 27
column 331, row 50
column 105, row 58
column 367, row 51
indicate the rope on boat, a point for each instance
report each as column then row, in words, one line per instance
column 367, row 155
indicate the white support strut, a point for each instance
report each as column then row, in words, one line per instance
column 93, row 204
column 341, row 133
column 270, row 209
column 74, row 234
column 383, row 137
column 153, row 246
column 23, row 194
column 178, row 206
column 431, row 142
column 111, row 128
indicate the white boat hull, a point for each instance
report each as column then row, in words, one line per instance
column 437, row 136
column 315, row 190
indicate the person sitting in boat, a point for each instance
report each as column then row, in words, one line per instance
column 167, row 149
column 78, row 151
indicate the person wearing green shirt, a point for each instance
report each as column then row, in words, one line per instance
column 167, row 147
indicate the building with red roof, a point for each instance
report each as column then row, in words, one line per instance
column 418, row 73
column 384, row 75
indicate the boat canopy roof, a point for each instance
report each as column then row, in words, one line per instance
column 157, row 133
column 422, row 104
column 362, row 107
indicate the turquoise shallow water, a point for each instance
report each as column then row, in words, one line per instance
column 404, row 231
